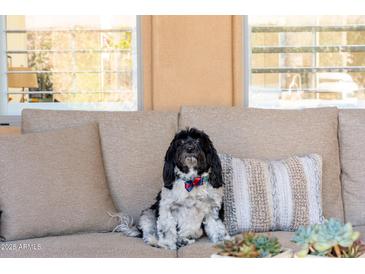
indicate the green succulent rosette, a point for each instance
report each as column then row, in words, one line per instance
column 332, row 238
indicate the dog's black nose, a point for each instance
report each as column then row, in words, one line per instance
column 189, row 148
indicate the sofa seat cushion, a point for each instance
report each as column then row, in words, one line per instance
column 361, row 229
column 276, row 134
column 91, row 245
column 133, row 146
column 203, row 248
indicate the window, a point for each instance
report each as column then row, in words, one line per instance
column 68, row 62
column 307, row 61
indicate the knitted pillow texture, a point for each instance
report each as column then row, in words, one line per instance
column 262, row 195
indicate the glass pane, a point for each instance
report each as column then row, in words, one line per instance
column 116, row 81
column 277, row 39
column 88, row 82
column 274, row 60
column 88, row 61
column 16, row 41
column 71, row 59
column 117, row 61
column 306, row 61
column 292, row 90
column 48, row 40
column 58, row 22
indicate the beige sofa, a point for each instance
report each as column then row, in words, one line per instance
column 135, row 143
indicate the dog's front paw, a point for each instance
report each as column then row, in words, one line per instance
column 167, row 245
column 227, row 237
column 150, row 240
column 219, row 237
column 184, row 241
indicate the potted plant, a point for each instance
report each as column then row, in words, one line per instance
column 251, row 245
column 330, row 239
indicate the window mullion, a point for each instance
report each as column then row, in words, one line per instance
column 3, row 67
column 246, row 61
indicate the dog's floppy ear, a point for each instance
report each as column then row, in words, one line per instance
column 169, row 166
column 215, row 176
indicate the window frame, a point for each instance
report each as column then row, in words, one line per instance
column 246, row 48
column 7, row 116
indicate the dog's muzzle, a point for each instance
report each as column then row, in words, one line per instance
column 191, row 161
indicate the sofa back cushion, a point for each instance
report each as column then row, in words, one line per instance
column 133, row 147
column 53, row 183
column 352, row 151
column 276, row 134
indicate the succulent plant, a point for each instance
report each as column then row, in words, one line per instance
column 354, row 251
column 266, row 246
column 250, row 245
column 332, row 238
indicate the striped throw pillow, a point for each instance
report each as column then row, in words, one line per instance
column 271, row 195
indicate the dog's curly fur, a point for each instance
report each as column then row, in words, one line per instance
column 179, row 217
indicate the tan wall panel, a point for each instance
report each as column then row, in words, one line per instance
column 237, row 48
column 9, row 131
column 192, row 60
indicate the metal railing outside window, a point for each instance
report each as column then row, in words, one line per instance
column 306, row 61
column 81, row 62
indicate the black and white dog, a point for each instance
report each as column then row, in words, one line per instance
column 190, row 201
